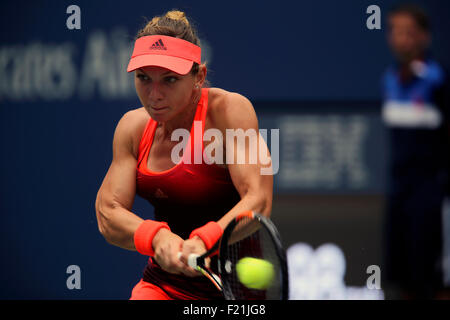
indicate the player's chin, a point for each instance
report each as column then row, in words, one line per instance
column 159, row 114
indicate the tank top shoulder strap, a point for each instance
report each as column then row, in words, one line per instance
column 202, row 109
column 204, row 106
column 200, row 115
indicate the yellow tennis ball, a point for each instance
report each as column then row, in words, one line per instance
column 255, row 273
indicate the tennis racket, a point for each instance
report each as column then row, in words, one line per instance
column 249, row 235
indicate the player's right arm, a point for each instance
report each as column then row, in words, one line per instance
column 116, row 195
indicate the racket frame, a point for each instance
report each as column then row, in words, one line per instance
column 275, row 236
column 197, row 262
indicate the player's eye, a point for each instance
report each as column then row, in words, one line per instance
column 142, row 77
column 171, row 79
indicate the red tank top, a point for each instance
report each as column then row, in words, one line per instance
column 187, row 196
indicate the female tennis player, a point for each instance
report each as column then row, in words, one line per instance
column 193, row 200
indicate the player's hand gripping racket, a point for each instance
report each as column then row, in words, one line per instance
column 251, row 263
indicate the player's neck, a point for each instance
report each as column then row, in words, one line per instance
column 183, row 120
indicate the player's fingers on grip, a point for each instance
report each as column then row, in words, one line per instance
column 207, row 262
column 168, row 265
column 186, row 269
column 188, row 248
column 187, row 251
column 168, row 260
column 175, row 259
column 182, row 257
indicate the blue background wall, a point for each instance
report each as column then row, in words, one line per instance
column 62, row 92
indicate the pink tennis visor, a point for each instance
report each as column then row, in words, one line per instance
column 175, row 54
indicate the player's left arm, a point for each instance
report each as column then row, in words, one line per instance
column 235, row 114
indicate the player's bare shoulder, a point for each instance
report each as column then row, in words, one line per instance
column 226, row 107
column 130, row 128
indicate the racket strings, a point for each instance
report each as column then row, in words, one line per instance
column 251, row 239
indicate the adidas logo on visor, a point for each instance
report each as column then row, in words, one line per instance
column 158, row 45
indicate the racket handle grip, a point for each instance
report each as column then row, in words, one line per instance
column 192, row 260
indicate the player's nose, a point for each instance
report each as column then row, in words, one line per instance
column 155, row 93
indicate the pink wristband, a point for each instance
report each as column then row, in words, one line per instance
column 210, row 233
column 144, row 234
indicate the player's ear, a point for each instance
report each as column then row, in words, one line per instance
column 200, row 76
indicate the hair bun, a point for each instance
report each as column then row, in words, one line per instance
column 177, row 15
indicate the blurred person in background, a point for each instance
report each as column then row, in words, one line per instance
column 415, row 110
